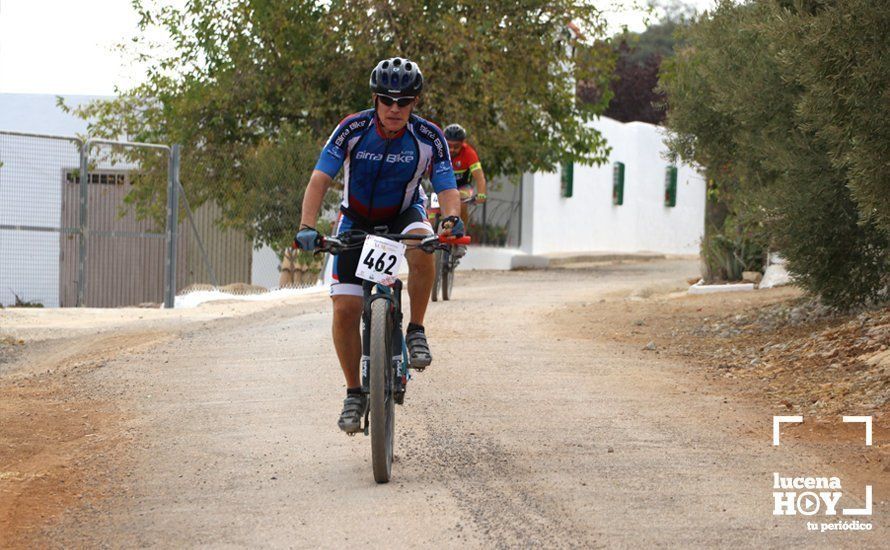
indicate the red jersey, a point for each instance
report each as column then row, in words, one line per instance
column 464, row 163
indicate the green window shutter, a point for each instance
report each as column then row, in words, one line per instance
column 670, row 186
column 618, row 184
column 568, row 177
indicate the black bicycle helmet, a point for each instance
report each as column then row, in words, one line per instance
column 455, row 132
column 397, row 76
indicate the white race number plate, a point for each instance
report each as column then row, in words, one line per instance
column 434, row 200
column 380, row 260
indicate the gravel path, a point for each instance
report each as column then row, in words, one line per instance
column 522, row 433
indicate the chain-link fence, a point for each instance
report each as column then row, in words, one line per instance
column 67, row 244
column 129, row 237
column 36, row 224
column 122, row 239
column 126, row 246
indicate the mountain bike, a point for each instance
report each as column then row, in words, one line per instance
column 385, row 366
column 446, row 260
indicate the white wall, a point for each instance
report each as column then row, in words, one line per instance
column 588, row 221
column 264, row 267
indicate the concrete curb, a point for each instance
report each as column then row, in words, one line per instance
column 491, row 258
column 562, row 260
column 699, row 288
column 529, row 261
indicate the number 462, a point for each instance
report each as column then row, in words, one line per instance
column 380, row 263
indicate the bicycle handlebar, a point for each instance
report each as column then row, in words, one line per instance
column 466, row 239
column 355, row 238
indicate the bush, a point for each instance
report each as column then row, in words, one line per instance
column 728, row 253
column 838, row 53
column 746, row 104
column 19, row 302
column 831, row 251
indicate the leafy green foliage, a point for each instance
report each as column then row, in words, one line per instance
column 838, row 54
column 828, row 248
column 663, row 37
column 733, row 242
column 728, row 255
column 749, row 101
column 254, row 87
column 269, row 197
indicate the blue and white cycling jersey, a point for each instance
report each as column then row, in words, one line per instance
column 381, row 177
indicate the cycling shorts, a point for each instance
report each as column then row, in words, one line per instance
column 345, row 263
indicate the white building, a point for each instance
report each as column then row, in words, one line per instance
column 589, row 221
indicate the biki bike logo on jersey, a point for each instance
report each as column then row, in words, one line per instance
column 348, row 130
column 820, row 496
column 391, row 158
column 436, row 141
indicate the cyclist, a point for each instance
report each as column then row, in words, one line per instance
column 383, row 152
column 466, row 165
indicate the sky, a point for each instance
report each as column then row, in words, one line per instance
column 66, row 47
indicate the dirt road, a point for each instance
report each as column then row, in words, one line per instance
column 219, row 429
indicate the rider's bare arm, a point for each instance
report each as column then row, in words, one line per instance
column 319, row 183
column 479, row 180
column 449, row 201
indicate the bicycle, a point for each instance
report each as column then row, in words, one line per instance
column 446, row 260
column 384, row 372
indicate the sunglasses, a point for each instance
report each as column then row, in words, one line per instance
column 400, row 101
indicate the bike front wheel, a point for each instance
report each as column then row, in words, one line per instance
column 382, row 413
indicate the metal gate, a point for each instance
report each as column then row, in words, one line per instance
column 498, row 221
column 69, row 240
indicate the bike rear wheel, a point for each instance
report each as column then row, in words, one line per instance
column 447, row 269
column 437, row 279
column 382, row 413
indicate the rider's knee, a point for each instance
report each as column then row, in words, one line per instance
column 347, row 309
column 418, row 260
